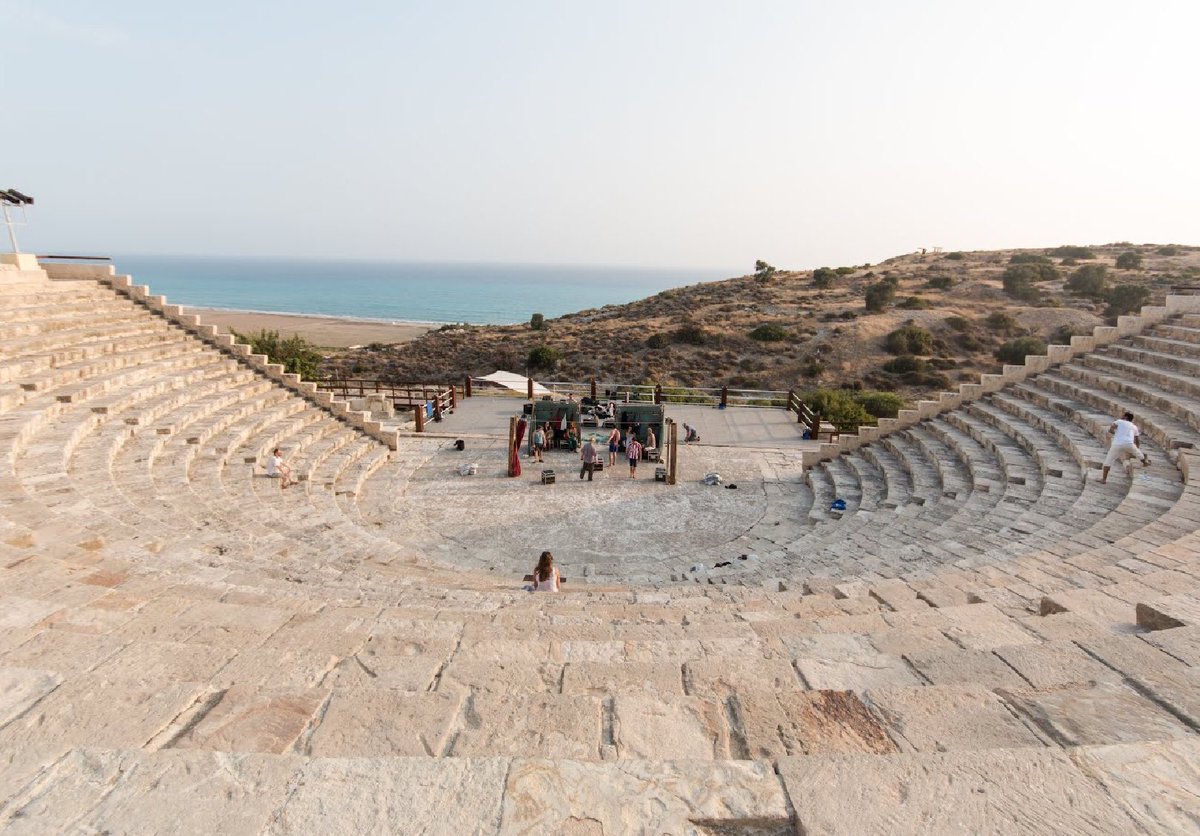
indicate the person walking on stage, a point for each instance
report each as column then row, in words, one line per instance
column 588, row 454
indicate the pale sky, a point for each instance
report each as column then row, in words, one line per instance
column 693, row 133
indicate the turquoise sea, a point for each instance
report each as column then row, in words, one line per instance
column 397, row 290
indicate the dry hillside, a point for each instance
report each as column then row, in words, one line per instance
column 705, row 334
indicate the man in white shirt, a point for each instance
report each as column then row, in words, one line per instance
column 276, row 469
column 1127, row 441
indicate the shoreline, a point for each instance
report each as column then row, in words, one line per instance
column 321, row 330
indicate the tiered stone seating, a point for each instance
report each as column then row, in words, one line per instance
column 985, row 640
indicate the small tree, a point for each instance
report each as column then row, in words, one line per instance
column 910, row 339
column 879, row 296
column 1029, row 258
column 1014, row 351
column 769, row 333
column 1018, row 281
column 1129, row 260
column 1089, row 280
column 763, row 271
column 543, row 357
column 823, row 277
column 296, row 354
column 1125, row 299
column 1069, row 251
column 537, row 322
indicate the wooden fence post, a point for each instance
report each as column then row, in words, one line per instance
column 815, row 426
column 512, row 439
column 724, row 396
column 467, row 387
column 419, row 413
column 593, row 388
column 529, row 387
column 658, row 393
column 672, row 451
column 453, row 397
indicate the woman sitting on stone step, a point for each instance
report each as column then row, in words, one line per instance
column 545, row 576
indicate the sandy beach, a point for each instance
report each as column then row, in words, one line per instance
column 322, row 331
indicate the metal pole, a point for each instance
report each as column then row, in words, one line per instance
column 12, row 233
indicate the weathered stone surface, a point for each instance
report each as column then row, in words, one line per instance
column 395, row 795
column 900, row 641
column 955, row 666
column 16, row 611
column 64, row 652
column 1098, row 714
column 96, row 712
column 1181, row 642
column 1158, row 784
column 718, row 678
column 1131, row 655
column 1169, row 611
column 20, row 688
column 246, row 719
column 1063, row 626
column 165, row 792
column 1054, row 664
column 840, row 662
column 947, row 718
column 977, row 627
column 20, row 766
column 502, row 677
column 275, row 669
column 375, row 722
column 775, row 723
column 1178, row 690
column 152, row 661
column 537, row 725
column 603, row 678
column 1013, row 791
column 567, row 797
column 398, row 673
column 675, row 728
column 1091, row 604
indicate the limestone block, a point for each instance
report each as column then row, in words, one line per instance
column 247, row 719
column 603, row 678
column 1177, row 689
column 946, row 718
column 719, row 678
column 152, row 661
column 1158, row 784
column 1055, row 664
column 1131, row 655
column 395, row 795
column 840, row 662
column 1181, row 642
column 167, row 792
column 901, row 641
column 774, row 723
column 398, row 672
column 16, row 611
column 378, row 723
column 275, row 669
column 1169, row 611
column 100, row 712
column 20, row 688
column 571, row 798
column 675, row 728
column 1000, row 792
column 533, row 725
column 502, row 677
column 20, row 767
column 64, row 652
column 1096, row 714
column 983, row 628
column 955, row 666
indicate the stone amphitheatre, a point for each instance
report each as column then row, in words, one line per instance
column 986, row 640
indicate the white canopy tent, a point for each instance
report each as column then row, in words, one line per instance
column 516, row 382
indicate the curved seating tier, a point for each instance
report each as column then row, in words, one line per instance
column 983, row 617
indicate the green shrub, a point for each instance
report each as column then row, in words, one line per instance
column 904, row 364
column 1003, row 323
column 838, row 407
column 1068, row 251
column 658, row 341
column 954, row 256
column 910, row 339
column 958, row 323
column 812, row 366
column 691, row 334
column 769, row 333
column 880, row 404
column 940, row 282
column 296, row 354
column 879, row 296
column 1018, row 282
column 844, row 271
column 1014, row 351
column 1029, row 258
column 1089, row 280
column 823, row 277
column 537, row 322
column 914, row 303
column 1126, row 299
column 969, row 342
column 763, row 271
column 1069, row 262
column 1129, row 260
column 1169, row 249
column 543, row 357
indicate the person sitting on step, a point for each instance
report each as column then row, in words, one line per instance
column 545, row 576
column 277, row 469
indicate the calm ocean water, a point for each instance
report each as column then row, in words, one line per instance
column 408, row 291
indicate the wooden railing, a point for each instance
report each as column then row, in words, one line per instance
column 428, row 401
